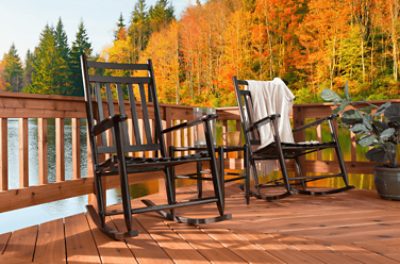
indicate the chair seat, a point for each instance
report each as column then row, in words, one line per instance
column 137, row 164
column 291, row 150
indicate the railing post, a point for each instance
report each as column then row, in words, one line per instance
column 3, row 154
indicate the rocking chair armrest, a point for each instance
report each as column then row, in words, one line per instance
column 190, row 123
column 107, row 123
column 316, row 122
column 263, row 120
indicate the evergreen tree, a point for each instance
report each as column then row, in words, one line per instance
column 80, row 46
column 12, row 72
column 139, row 29
column 161, row 14
column 48, row 65
column 63, row 77
column 28, row 69
column 120, row 27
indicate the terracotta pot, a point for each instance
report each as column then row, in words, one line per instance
column 387, row 182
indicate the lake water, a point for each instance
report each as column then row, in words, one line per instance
column 17, row 219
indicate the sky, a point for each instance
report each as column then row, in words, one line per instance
column 22, row 21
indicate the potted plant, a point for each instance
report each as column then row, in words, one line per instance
column 376, row 127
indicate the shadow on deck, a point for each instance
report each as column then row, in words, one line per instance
column 352, row 227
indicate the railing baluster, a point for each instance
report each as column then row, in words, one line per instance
column 76, row 148
column 319, row 138
column 3, row 154
column 42, row 151
column 90, row 172
column 60, row 156
column 23, row 153
column 185, row 135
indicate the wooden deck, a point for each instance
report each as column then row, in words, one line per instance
column 352, row 227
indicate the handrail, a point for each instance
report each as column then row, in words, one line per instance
column 71, row 110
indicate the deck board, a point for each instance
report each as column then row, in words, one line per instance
column 21, row 246
column 177, row 248
column 351, row 227
column 143, row 247
column 50, row 245
column 110, row 251
column 80, row 245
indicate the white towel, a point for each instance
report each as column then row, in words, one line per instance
column 272, row 97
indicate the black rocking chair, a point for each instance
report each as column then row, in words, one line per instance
column 281, row 151
column 111, row 96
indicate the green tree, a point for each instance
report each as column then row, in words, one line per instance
column 80, row 46
column 63, row 76
column 120, row 26
column 139, row 29
column 48, row 65
column 161, row 14
column 12, row 73
column 29, row 58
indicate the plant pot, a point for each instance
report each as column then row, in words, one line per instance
column 387, row 182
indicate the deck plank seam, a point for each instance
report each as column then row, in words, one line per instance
column 228, row 248
column 188, row 242
column 36, row 240
column 124, row 241
column 256, row 245
column 94, row 240
column 6, row 244
column 152, row 237
column 65, row 241
column 376, row 252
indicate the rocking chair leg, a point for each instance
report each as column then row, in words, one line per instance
column 247, row 174
column 100, row 200
column 170, row 188
column 199, row 168
column 216, row 178
column 339, row 154
column 299, row 172
column 126, row 197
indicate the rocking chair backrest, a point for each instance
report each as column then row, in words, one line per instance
column 128, row 90
column 245, row 104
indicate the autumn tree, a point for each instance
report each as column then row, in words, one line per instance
column 121, row 49
column 163, row 48
column 12, row 71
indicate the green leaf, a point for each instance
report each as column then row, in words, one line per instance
column 377, row 154
column 346, row 91
column 341, row 107
column 330, row 96
column 367, row 141
column 359, row 128
column 381, row 109
column 393, row 112
column 367, row 121
column 352, row 117
column 387, row 133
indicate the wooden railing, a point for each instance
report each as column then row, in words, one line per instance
column 71, row 110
